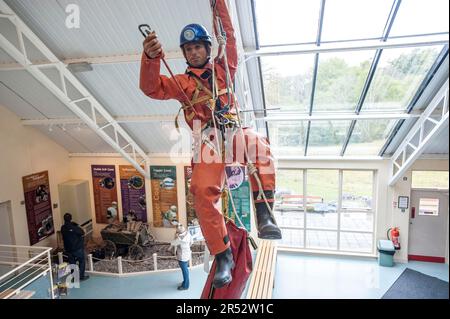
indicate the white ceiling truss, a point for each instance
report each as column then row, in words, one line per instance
column 85, row 106
column 426, row 128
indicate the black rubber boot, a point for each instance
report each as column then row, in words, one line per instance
column 224, row 265
column 267, row 227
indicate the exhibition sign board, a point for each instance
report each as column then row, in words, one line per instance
column 164, row 196
column 240, row 192
column 191, row 216
column 38, row 205
column 132, row 189
column 105, row 193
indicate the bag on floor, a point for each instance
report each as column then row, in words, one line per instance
column 243, row 267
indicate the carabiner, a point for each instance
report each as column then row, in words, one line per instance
column 145, row 29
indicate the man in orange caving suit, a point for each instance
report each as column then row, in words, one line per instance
column 208, row 176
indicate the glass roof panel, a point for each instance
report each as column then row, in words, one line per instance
column 398, row 76
column 288, row 138
column 287, row 21
column 288, row 81
column 327, row 137
column 354, row 19
column 368, row 137
column 340, row 80
column 420, row 17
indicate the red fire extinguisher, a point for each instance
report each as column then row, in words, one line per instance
column 393, row 235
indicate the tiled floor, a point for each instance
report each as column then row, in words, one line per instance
column 322, row 277
column 298, row 276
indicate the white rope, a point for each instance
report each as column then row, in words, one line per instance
column 250, row 165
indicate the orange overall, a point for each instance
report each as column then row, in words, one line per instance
column 208, row 177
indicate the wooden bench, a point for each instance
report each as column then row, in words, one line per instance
column 262, row 281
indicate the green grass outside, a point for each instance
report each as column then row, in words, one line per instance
column 325, row 183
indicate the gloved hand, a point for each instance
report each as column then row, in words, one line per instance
column 152, row 46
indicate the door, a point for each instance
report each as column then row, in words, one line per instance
column 428, row 225
column 6, row 227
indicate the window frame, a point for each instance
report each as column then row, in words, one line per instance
column 340, row 210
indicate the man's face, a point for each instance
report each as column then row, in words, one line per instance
column 196, row 53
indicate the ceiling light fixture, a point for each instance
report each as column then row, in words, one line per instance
column 79, row 67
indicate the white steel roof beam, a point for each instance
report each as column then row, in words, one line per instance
column 94, row 60
column 344, row 46
column 441, row 99
column 118, row 119
column 336, row 116
column 170, row 118
column 66, row 75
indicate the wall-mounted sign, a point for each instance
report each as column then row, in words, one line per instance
column 132, row 190
column 38, row 205
column 240, row 192
column 105, row 193
column 429, row 206
column 403, row 202
column 191, row 216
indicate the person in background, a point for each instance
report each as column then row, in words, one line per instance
column 182, row 243
column 73, row 237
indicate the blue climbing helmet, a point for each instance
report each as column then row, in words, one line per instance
column 194, row 32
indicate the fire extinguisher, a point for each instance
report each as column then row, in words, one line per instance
column 393, row 235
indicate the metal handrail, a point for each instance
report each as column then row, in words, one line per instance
column 46, row 250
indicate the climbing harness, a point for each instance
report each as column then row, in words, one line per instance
column 252, row 170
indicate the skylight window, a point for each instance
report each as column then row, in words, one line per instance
column 368, row 137
column 287, row 21
column 398, row 76
column 340, row 80
column 421, row 17
column 288, row 138
column 288, row 81
column 354, row 19
column 327, row 137
column 327, row 69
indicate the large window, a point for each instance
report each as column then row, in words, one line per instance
column 326, row 209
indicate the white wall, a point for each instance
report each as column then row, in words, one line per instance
column 24, row 151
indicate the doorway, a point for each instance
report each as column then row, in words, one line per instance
column 428, row 225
